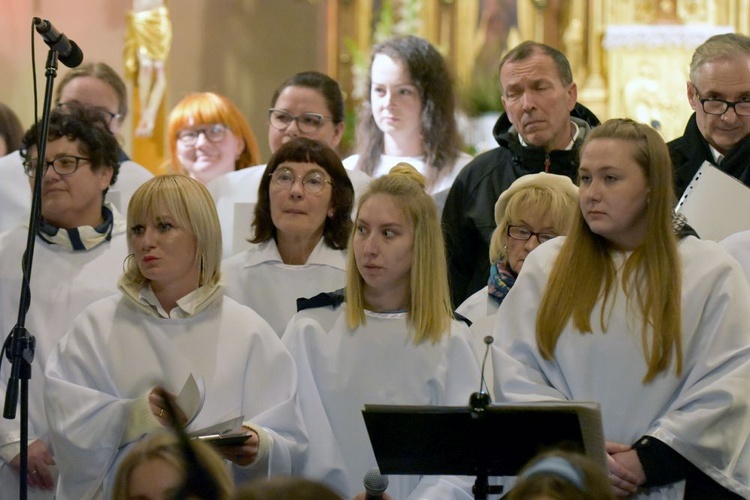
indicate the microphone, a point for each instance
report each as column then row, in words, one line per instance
column 69, row 53
column 375, row 484
column 479, row 400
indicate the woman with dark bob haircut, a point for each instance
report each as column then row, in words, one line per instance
column 301, row 226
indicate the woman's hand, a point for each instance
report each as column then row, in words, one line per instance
column 156, row 401
column 246, row 453
column 625, row 471
column 39, row 460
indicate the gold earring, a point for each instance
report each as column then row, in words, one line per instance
column 136, row 278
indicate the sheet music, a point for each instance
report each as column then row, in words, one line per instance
column 715, row 203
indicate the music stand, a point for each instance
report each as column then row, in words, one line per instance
column 498, row 441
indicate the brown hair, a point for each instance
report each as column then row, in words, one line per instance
column 301, row 149
column 652, row 273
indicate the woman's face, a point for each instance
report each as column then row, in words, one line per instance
column 532, row 221
column 208, row 150
column 153, row 479
column 96, row 94
column 383, row 249
column 396, row 104
column 166, row 252
column 295, row 210
column 74, row 199
column 297, row 101
column 613, row 192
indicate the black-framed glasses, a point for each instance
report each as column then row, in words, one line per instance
column 524, row 234
column 63, row 165
column 214, row 133
column 106, row 114
column 280, row 119
column 313, row 183
column 713, row 106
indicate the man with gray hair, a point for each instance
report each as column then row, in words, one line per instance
column 541, row 130
column 719, row 93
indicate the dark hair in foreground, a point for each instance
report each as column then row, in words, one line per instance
column 10, row 128
column 286, row 488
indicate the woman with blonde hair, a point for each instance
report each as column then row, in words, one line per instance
column 158, row 467
column 171, row 331
column 390, row 335
column 533, row 210
column 650, row 322
column 209, row 136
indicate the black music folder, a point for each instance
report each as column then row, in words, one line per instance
column 456, row 440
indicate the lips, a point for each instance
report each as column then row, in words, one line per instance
column 294, row 211
column 148, row 258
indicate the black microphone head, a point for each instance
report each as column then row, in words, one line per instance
column 489, row 339
column 74, row 58
column 374, row 482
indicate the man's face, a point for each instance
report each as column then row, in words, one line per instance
column 728, row 79
column 536, row 101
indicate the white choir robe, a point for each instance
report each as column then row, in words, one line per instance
column 236, row 194
column 116, row 353
column 444, row 182
column 340, row 371
column 258, row 278
column 702, row 414
column 15, row 192
column 480, row 308
column 63, row 283
column 738, row 245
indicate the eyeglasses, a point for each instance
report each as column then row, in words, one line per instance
column 214, row 133
column 106, row 115
column 713, row 106
column 63, row 165
column 313, row 182
column 306, row 122
column 523, row 234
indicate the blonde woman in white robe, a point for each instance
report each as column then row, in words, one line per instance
column 648, row 321
column 109, row 378
column 390, row 338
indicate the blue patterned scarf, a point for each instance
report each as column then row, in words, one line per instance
column 501, row 281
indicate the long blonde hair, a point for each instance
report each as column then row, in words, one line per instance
column 429, row 309
column 652, row 273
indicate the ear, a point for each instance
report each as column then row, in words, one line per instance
column 239, row 148
column 692, row 95
column 572, row 95
column 338, row 134
column 105, row 175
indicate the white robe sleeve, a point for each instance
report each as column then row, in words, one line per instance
column 87, row 417
column 323, row 460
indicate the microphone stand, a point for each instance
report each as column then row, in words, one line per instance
column 19, row 346
column 478, row 403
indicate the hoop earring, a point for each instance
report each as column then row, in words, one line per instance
column 126, row 269
column 202, row 278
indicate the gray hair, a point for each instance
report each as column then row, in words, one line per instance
column 718, row 47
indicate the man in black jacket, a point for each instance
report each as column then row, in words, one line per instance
column 719, row 93
column 540, row 131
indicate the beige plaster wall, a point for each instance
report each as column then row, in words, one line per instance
column 240, row 48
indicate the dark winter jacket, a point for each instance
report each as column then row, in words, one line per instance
column 691, row 150
column 469, row 213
